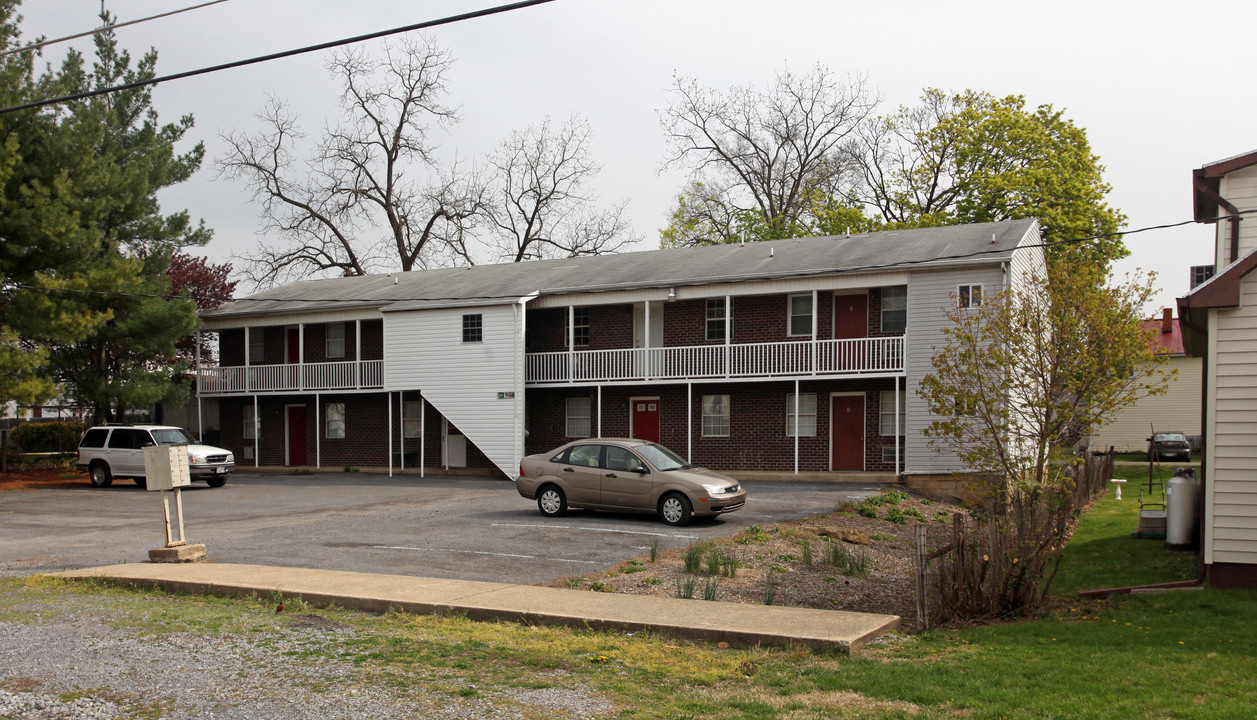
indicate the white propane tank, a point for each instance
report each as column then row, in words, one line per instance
column 1180, row 522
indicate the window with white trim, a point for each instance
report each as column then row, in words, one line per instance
column 887, row 420
column 582, row 326
column 335, row 415
column 806, row 414
column 579, row 417
column 248, row 425
column 888, row 455
column 473, row 328
column 969, row 296
column 715, row 416
column 412, row 418
column 800, row 315
column 334, row 340
column 716, row 318
column 257, row 345
column 894, row 309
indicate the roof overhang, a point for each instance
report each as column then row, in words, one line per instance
column 1220, row 291
column 1207, row 180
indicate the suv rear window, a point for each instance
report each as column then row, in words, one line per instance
column 94, row 438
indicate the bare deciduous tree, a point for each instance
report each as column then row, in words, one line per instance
column 762, row 154
column 354, row 207
column 543, row 206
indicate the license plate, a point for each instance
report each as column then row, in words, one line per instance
column 220, row 470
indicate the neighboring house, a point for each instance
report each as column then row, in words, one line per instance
column 1176, row 410
column 1219, row 318
column 798, row 355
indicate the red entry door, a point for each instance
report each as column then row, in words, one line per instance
column 296, row 429
column 294, row 346
column 846, row 423
column 851, row 316
column 646, row 419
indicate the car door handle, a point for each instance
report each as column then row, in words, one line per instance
column 568, row 469
column 611, row 475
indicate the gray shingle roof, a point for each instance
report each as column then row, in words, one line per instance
column 490, row 284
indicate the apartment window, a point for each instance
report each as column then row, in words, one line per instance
column 888, row 455
column 248, row 423
column 800, row 315
column 970, row 296
column 579, row 415
column 894, row 309
column 582, row 327
column 716, row 318
column 715, row 416
column 412, row 418
column 335, row 340
column 888, row 413
column 335, row 413
column 473, row 328
column 257, row 348
column 806, row 403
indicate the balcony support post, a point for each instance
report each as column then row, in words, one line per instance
column 423, row 433
column 689, row 423
column 796, row 419
column 247, row 351
column 257, row 426
column 388, row 408
column 571, row 343
column 358, row 351
column 815, row 323
column 646, row 340
column 318, row 436
column 200, row 425
column 728, row 335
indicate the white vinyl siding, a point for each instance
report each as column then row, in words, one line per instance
column 468, row 383
column 1231, row 430
column 1178, row 409
column 1240, row 187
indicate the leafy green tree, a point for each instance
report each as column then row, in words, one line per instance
column 971, row 157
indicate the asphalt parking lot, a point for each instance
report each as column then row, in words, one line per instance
column 439, row 526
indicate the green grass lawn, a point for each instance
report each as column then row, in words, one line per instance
column 1188, row 654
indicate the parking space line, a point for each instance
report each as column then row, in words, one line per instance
column 591, row 529
column 485, row 552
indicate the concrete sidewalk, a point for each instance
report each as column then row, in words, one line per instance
column 719, row 621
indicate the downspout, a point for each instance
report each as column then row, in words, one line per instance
column 1233, row 215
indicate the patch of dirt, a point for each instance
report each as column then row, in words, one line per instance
column 41, row 477
column 772, row 561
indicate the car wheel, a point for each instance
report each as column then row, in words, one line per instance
column 141, row 482
column 675, row 509
column 99, row 474
column 551, row 501
column 216, row 481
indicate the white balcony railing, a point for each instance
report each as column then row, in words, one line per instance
column 346, row 375
column 861, row 356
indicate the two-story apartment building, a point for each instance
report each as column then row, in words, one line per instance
column 798, row 355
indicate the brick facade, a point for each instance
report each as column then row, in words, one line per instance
column 232, row 349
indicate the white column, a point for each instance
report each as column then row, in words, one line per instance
column 689, row 423
column 796, row 426
column 599, row 411
column 646, row 369
column 571, row 343
column 815, row 325
column 897, row 429
column 200, row 422
column 358, row 351
column 401, row 439
column 247, row 379
column 257, row 428
column 423, row 433
column 728, row 334
column 388, row 405
column 301, row 356
column 318, row 432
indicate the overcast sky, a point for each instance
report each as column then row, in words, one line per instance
column 1158, row 86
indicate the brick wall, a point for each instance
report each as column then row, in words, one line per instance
column 610, row 328
column 231, row 347
column 372, row 340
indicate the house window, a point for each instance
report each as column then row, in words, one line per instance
column 800, row 315
column 579, row 413
column 806, row 403
column 715, row 416
column 894, row 309
column 582, row 327
column 248, row 424
column 473, row 328
column 888, row 413
column 257, row 346
column 888, row 455
column 335, row 413
column 715, row 318
column 970, row 296
column 412, row 418
column 335, row 340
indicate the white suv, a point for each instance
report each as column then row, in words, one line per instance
column 109, row 451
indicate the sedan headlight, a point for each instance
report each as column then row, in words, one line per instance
column 720, row 489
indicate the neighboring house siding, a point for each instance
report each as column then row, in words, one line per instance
column 1176, row 410
column 1231, row 495
column 424, row 350
column 1240, row 188
column 928, row 293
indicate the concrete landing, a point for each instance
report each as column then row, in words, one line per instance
column 737, row 623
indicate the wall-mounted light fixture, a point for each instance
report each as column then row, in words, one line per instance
column 672, row 294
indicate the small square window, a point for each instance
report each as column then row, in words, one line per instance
column 806, row 414
column 335, row 413
column 800, row 315
column 716, row 318
column 579, row 417
column 335, row 340
column 715, row 416
column 894, row 309
column 969, row 296
column 473, row 328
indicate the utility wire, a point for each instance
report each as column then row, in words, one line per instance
column 463, row 298
column 276, row 56
column 103, row 28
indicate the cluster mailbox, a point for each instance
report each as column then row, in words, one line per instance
column 166, row 467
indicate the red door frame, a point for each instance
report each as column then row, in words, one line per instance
column 856, row 315
column 295, row 451
column 842, row 427
column 641, row 430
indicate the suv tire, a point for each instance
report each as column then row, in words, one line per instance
column 216, row 482
column 99, row 474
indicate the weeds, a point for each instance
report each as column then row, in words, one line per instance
column 601, row 587
column 770, row 590
column 848, row 562
column 693, row 558
column 711, row 589
column 654, row 549
column 685, row 587
column 720, row 562
column 805, row 548
column 754, row 535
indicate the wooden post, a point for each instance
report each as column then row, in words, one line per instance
column 923, row 612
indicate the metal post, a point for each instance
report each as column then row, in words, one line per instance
column 257, row 430
column 318, row 432
column 301, row 356
column 728, row 334
column 689, row 422
column 796, row 426
column 358, row 351
column 423, row 433
column 401, row 439
column 388, row 408
column 815, row 325
column 599, row 411
column 646, row 366
column 571, row 343
column 200, row 423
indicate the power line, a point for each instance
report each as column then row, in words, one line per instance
column 463, row 298
column 104, row 28
column 279, row 55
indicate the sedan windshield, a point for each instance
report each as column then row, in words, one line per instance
column 173, row 436
column 661, row 457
